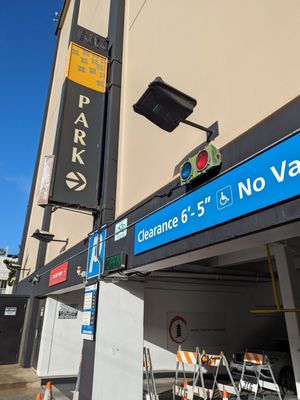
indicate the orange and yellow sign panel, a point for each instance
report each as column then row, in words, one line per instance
column 87, row 68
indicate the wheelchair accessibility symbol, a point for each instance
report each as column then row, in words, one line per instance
column 224, row 197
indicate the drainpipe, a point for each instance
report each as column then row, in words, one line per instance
column 110, row 162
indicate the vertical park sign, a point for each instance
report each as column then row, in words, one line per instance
column 80, row 130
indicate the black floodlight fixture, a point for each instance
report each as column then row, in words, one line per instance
column 46, row 237
column 166, row 107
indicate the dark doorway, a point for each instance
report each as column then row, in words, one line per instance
column 38, row 333
column 12, row 313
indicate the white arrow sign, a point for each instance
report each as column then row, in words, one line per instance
column 75, row 181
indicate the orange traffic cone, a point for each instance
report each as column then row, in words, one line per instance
column 48, row 392
column 184, row 386
column 225, row 394
column 38, row 396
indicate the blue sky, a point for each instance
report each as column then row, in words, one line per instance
column 27, row 44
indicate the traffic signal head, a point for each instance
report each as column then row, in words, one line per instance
column 200, row 163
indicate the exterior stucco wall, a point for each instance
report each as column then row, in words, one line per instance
column 78, row 220
column 61, row 340
column 238, row 59
column 93, row 15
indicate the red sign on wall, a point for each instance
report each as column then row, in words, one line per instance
column 59, row 274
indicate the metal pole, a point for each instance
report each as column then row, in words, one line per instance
column 275, row 290
column 211, row 133
column 202, row 128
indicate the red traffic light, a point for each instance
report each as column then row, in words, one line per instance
column 202, row 160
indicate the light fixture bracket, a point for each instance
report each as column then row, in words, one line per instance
column 211, row 133
column 46, row 237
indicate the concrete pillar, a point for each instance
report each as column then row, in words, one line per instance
column 28, row 333
column 118, row 367
column 289, row 280
column 47, row 337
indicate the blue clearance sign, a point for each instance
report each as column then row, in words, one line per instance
column 266, row 179
column 96, row 253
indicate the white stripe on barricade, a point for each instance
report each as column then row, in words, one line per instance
column 228, row 388
column 268, row 385
column 187, row 391
column 201, row 392
column 249, row 386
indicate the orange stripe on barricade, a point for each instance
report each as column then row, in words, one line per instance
column 187, row 357
column 178, row 357
column 253, row 358
column 258, row 358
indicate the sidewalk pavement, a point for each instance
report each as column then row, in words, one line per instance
column 17, row 383
column 29, row 394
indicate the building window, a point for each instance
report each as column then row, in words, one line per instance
column 3, row 284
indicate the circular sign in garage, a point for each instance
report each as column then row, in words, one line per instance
column 178, row 330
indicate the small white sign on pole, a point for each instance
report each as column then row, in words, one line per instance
column 46, row 180
column 121, row 229
column 89, row 312
column 11, row 311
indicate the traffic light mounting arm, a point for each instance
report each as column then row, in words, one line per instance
column 211, row 133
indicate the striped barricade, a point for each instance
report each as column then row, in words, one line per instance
column 211, row 360
column 258, row 362
column 187, row 357
column 215, row 361
column 181, row 386
column 254, row 358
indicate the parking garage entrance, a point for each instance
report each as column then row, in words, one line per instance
column 227, row 302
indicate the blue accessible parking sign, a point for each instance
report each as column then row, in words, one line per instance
column 96, row 253
column 224, row 197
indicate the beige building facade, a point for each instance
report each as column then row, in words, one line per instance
column 238, row 60
column 64, row 224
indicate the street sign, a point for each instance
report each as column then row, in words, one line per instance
column 121, row 229
column 115, row 263
column 11, row 311
column 89, row 312
column 80, row 130
column 46, row 180
column 58, row 274
column 266, row 179
column 75, row 178
column 96, row 253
